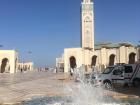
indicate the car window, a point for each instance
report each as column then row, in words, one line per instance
column 128, row 69
column 118, row 72
column 108, row 70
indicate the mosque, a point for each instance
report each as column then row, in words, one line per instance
column 98, row 55
column 9, row 62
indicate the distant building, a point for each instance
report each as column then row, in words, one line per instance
column 27, row 66
column 9, row 62
column 60, row 63
column 99, row 55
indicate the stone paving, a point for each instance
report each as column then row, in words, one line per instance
column 19, row 87
column 22, row 86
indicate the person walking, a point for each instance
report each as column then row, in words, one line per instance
column 21, row 70
column 71, row 73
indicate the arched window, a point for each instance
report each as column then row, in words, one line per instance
column 94, row 60
column 5, row 65
column 87, row 19
column 111, row 60
column 132, row 58
column 72, row 62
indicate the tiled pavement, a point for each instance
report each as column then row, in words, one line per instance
column 23, row 86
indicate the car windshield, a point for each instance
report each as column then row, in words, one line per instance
column 108, row 70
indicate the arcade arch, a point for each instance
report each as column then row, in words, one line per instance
column 5, row 65
column 94, row 60
column 132, row 58
column 111, row 59
column 72, row 62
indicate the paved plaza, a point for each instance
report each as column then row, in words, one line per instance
column 19, row 87
column 22, row 86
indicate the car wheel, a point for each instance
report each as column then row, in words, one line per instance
column 108, row 85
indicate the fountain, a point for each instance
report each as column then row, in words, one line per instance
column 81, row 92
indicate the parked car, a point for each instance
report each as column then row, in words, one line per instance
column 119, row 75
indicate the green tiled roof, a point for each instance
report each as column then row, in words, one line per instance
column 113, row 45
column 98, row 46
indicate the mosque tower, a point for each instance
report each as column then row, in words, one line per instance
column 87, row 25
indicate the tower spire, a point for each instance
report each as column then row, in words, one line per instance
column 86, row 1
column 87, row 24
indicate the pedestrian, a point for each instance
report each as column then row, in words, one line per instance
column 56, row 69
column 21, row 70
column 71, row 73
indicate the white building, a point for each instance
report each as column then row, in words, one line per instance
column 99, row 55
column 27, row 66
column 9, row 62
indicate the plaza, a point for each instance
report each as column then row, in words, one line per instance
column 21, row 82
column 15, row 88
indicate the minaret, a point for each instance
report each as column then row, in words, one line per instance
column 87, row 25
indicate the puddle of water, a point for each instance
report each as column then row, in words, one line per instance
column 69, row 101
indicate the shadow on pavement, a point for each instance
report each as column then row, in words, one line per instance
column 127, row 90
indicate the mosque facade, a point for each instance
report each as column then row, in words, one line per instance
column 98, row 55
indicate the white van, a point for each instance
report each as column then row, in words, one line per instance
column 120, row 75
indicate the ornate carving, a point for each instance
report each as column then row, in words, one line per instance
column 87, row 7
column 86, row 1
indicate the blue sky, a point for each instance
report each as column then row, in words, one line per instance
column 46, row 27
